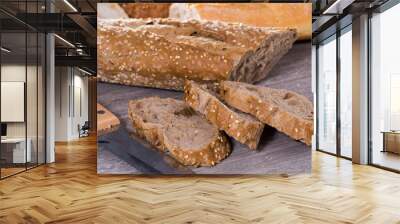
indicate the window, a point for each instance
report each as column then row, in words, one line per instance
column 326, row 110
column 346, row 92
column 22, row 77
column 15, row 149
column 385, row 89
column 335, row 74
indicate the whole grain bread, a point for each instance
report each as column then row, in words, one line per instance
column 172, row 126
column 243, row 127
column 287, row 111
column 253, row 14
column 106, row 121
column 146, row 10
column 162, row 53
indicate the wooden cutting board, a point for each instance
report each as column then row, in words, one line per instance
column 106, row 121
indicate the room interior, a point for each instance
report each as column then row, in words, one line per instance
column 39, row 108
column 372, row 38
column 71, row 110
column 355, row 157
column 22, row 101
column 385, row 90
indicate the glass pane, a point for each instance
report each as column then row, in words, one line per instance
column 385, row 92
column 13, row 87
column 79, row 101
column 31, row 99
column 327, row 96
column 346, row 94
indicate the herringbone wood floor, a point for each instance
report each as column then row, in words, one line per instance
column 70, row 191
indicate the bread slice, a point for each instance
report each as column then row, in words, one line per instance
column 106, row 121
column 162, row 53
column 287, row 111
column 170, row 125
column 244, row 128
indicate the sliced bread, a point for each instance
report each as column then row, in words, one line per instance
column 106, row 121
column 162, row 53
column 170, row 125
column 243, row 127
column 287, row 111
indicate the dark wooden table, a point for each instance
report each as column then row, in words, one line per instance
column 277, row 154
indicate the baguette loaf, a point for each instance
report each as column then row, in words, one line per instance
column 162, row 53
column 242, row 127
column 294, row 15
column 284, row 110
column 146, row 10
column 170, row 125
column 110, row 11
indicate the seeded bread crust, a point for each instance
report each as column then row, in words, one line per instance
column 162, row 53
column 287, row 111
column 242, row 127
column 160, row 133
column 146, row 10
column 106, row 121
column 253, row 14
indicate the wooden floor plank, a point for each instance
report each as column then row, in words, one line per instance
column 70, row 191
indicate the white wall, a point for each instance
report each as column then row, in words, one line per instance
column 12, row 73
column 33, row 126
column 71, row 93
column 80, row 110
column 62, row 81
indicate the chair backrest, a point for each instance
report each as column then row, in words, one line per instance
column 86, row 125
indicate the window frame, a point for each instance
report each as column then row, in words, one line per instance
column 27, row 29
column 381, row 9
column 339, row 32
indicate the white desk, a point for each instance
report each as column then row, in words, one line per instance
column 19, row 149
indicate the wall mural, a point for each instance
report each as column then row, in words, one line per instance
column 209, row 88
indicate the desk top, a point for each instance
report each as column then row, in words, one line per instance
column 391, row 132
column 13, row 140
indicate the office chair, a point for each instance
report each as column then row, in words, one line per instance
column 84, row 130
